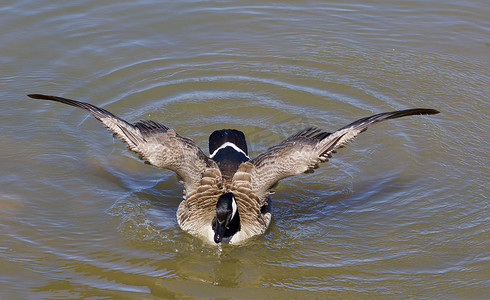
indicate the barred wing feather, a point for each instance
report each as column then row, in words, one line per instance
column 155, row 143
column 305, row 150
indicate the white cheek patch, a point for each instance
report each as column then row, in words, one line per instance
column 228, row 144
column 234, row 207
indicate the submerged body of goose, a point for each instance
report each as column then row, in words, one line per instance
column 226, row 194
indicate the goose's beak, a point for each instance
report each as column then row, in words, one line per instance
column 219, row 232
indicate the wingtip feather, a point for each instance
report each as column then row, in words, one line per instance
column 426, row 111
column 37, row 96
column 432, row 111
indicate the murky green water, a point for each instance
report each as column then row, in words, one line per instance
column 400, row 213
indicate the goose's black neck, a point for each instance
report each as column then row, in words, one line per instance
column 228, row 148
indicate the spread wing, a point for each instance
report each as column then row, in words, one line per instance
column 155, row 143
column 305, row 150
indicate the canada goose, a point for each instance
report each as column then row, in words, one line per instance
column 226, row 195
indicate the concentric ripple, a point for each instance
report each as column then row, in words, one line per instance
column 400, row 213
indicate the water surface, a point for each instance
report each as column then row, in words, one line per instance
column 400, row 213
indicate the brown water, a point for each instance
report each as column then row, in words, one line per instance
column 400, row 213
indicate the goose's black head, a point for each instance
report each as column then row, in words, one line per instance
column 227, row 221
